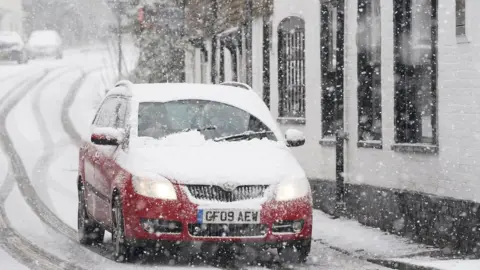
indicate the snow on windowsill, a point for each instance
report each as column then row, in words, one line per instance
column 462, row 39
column 291, row 120
column 370, row 144
column 327, row 141
column 415, row 148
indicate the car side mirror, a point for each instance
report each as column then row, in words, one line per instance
column 294, row 138
column 108, row 136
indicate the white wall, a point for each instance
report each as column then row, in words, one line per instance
column 12, row 15
column 454, row 171
column 318, row 161
column 190, row 64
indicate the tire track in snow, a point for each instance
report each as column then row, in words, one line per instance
column 76, row 138
column 11, row 241
column 50, row 151
column 40, row 169
column 26, row 188
column 9, row 77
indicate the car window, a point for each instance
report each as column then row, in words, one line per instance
column 157, row 119
column 112, row 113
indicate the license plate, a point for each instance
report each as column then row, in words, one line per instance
column 225, row 216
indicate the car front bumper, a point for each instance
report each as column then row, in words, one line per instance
column 36, row 52
column 10, row 54
column 183, row 213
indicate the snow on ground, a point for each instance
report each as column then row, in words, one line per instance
column 444, row 264
column 358, row 239
column 7, row 262
column 86, row 103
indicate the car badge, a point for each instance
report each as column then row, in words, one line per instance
column 229, row 186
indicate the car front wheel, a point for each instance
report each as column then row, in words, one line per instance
column 296, row 252
column 120, row 246
column 89, row 231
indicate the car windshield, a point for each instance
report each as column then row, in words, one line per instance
column 215, row 120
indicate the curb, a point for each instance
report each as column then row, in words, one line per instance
column 390, row 263
column 400, row 265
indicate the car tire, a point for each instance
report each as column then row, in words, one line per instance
column 22, row 59
column 295, row 253
column 120, row 246
column 89, row 231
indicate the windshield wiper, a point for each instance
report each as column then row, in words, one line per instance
column 200, row 129
column 244, row 135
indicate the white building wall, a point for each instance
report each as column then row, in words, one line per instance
column 197, row 65
column 454, row 170
column 318, row 161
column 190, row 64
column 11, row 15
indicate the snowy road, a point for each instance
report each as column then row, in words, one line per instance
column 45, row 110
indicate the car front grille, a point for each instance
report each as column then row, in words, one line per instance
column 227, row 230
column 216, row 193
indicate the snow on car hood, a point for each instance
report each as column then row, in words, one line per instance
column 187, row 158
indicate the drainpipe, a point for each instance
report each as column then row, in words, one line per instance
column 341, row 135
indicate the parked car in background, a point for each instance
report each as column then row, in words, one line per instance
column 45, row 43
column 12, row 47
column 172, row 164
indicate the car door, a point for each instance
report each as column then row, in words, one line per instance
column 106, row 168
column 91, row 155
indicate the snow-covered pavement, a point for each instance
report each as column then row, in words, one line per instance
column 45, row 108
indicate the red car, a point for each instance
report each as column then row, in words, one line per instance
column 178, row 164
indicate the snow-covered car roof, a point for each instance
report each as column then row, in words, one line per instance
column 241, row 98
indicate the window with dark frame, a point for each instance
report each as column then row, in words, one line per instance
column 291, row 67
column 369, row 92
column 328, row 44
column 460, row 17
column 266, row 45
column 415, row 68
column 249, row 42
column 231, row 44
column 204, row 65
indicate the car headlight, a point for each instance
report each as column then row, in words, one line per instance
column 292, row 188
column 158, row 188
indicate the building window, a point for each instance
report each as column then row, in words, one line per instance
column 249, row 42
column 460, row 17
column 204, row 65
column 266, row 46
column 368, row 71
column 328, row 44
column 415, row 67
column 230, row 55
column 291, row 67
